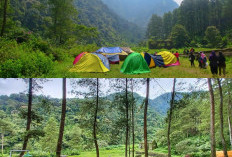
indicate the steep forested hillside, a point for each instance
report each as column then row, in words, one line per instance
column 112, row 28
column 140, row 11
column 78, row 119
column 192, row 24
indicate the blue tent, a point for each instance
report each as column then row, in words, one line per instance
column 104, row 60
column 158, row 60
column 114, row 59
column 110, row 50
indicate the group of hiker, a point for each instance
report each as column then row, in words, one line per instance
column 187, row 52
column 217, row 63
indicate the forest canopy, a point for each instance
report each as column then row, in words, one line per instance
column 188, row 104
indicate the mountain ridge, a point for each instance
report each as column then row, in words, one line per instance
column 112, row 27
column 140, row 11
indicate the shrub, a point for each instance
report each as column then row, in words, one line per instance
column 179, row 36
column 43, row 46
column 213, row 36
column 59, row 54
column 71, row 152
column 8, row 50
column 11, row 69
column 185, row 147
column 36, row 64
column 28, row 65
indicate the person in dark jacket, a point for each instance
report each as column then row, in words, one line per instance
column 192, row 58
column 222, row 64
column 199, row 60
column 213, row 63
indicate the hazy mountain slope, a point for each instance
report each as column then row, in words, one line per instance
column 113, row 29
column 140, row 11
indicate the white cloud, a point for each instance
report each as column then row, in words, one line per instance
column 53, row 87
column 178, row 1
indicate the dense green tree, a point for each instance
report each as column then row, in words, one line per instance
column 179, row 36
column 196, row 16
column 49, row 141
column 155, row 28
column 213, row 36
column 4, row 17
column 5, row 128
column 167, row 24
column 229, row 109
column 227, row 12
column 63, row 22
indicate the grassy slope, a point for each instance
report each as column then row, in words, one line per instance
column 183, row 71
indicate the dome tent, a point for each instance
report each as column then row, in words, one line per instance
column 169, row 59
column 114, row 54
column 79, row 57
column 104, row 60
column 135, row 64
column 149, row 59
column 165, row 59
column 114, row 59
column 90, row 63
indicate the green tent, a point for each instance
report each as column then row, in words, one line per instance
column 135, row 64
column 27, row 155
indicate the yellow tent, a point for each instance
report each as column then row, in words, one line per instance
column 89, row 63
column 168, row 57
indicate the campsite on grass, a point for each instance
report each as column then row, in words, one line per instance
column 114, row 62
column 90, row 117
column 42, row 38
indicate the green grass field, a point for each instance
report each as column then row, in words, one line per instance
column 118, row 152
column 183, row 71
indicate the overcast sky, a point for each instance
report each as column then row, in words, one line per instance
column 53, row 87
column 178, row 1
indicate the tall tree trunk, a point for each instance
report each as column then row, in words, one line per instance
column 127, row 119
column 221, row 119
column 29, row 110
column 230, row 130
column 145, row 118
column 95, row 121
column 229, row 112
column 133, row 121
column 212, row 125
column 170, row 117
column 62, row 121
column 129, row 139
column 4, row 17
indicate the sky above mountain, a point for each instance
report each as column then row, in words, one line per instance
column 178, row 1
column 140, row 11
column 53, row 87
